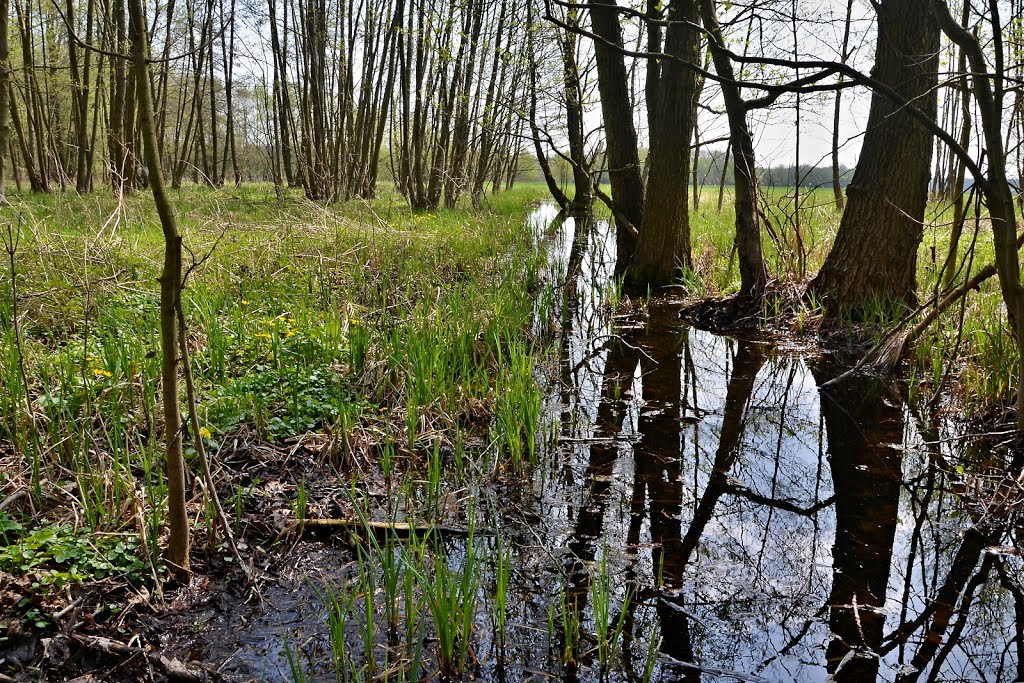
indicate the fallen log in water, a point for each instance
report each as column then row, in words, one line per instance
column 300, row 526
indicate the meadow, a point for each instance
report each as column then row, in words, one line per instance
column 381, row 328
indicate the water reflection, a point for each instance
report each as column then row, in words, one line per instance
column 865, row 431
column 774, row 530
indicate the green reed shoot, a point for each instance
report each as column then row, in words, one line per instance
column 571, row 628
column 607, row 627
column 502, row 566
column 651, row 657
column 295, row 666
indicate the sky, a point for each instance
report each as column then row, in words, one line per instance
column 819, row 35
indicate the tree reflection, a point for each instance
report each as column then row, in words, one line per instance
column 701, row 463
column 864, row 433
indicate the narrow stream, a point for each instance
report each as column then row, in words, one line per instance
column 758, row 527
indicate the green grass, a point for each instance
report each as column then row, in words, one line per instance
column 361, row 320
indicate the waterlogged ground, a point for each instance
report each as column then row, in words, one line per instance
column 702, row 509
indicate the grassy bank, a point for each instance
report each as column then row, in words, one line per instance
column 969, row 349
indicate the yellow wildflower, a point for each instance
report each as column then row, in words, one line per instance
column 205, row 433
column 245, row 302
column 262, row 335
column 100, row 372
column 289, row 333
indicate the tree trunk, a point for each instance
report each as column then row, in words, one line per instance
column 753, row 273
column 663, row 247
column 624, row 172
column 837, row 188
column 369, row 183
column 5, row 98
column 542, row 159
column 655, row 13
column 118, row 84
column 170, row 292
column 874, row 257
column 80, row 102
column 583, row 196
column 949, row 266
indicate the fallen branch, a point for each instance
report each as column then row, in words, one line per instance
column 174, row 669
column 403, row 528
column 13, row 498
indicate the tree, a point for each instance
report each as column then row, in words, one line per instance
column 5, row 97
column 989, row 91
column 624, row 172
column 535, row 133
column 753, row 273
column 663, row 246
column 844, row 54
column 170, row 293
column 583, row 195
column 874, row 257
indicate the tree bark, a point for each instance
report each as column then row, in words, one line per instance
column 957, row 189
column 118, row 85
column 583, row 195
column 663, row 248
column 837, row 189
column 753, row 273
column 542, row 160
column 624, row 172
column 874, row 257
column 170, row 291
column 5, row 98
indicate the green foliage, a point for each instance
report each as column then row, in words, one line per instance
column 58, row 555
column 10, row 528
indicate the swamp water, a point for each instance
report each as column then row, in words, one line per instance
column 701, row 510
